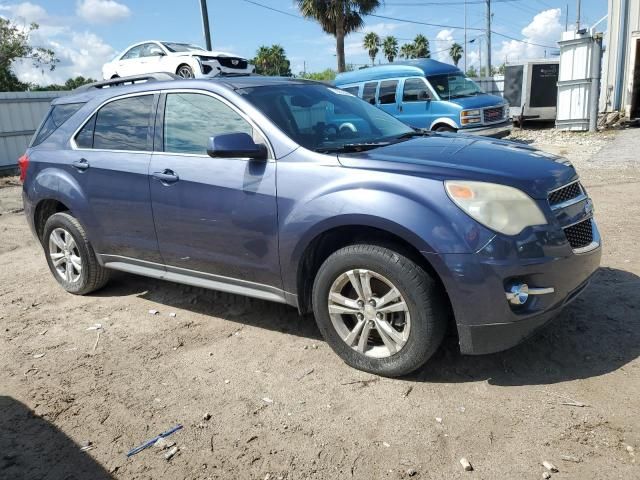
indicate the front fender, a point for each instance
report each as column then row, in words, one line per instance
column 415, row 209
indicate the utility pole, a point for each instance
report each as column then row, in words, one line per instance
column 489, row 38
column 205, row 23
column 578, row 16
column 566, row 19
column 480, row 56
column 464, row 51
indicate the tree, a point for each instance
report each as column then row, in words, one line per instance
column 324, row 76
column 371, row 43
column 15, row 45
column 338, row 18
column 455, row 52
column 421, row 47
column 70, row 84
column 472, row 72
column 406, row 50
column 390, row 48
column 272, row 61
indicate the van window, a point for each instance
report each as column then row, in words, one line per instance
column 120, row 125
column 387, row 92
column 191, row 118
column 56, row 117
column 369, row 92
column 454, row 85
column 351, row 90
column 415, row 90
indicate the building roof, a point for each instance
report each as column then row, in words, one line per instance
column 409, row 68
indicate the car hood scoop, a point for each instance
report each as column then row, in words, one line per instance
column 457, row 156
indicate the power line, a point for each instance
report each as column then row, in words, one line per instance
column 444, row 4
column 439, row 25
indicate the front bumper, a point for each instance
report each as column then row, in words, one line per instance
column 211, row 69
column 476, row 284
column 498, row 130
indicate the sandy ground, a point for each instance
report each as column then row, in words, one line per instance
column 282, row 404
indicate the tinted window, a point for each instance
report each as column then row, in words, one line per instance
column 454, row 85
column 191, row 118
column 387, row 92
column 414, row 90
column 84, row 139
column 124, row 124
column 369, row 92
column 351, row 90
column 58, row 114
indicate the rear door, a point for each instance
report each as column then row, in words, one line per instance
column 415, row 106
column 214, row 217
column 110, row 159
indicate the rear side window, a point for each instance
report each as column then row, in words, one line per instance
column 58, row 114
column 369, row 92
column 388, row 91
column 351, row 90
column 123, row 124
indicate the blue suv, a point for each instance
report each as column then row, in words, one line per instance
column 389, row 235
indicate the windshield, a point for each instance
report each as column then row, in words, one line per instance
column 181, row 47
column 325, row 119
column 454, row 85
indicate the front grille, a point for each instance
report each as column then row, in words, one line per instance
column 232, row 62
column 206, row 69
column 580, row 235
column 565, row 194
column 493, row 114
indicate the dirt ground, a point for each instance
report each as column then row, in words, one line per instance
column 282, row 404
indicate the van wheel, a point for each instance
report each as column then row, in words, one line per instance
column 378, row 310
column 445, row 128
column 71, row 257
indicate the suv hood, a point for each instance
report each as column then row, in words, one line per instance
column 477, row 101
column 204, row 53
column 456, row 156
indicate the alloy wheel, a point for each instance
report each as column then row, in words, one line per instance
column 369, row 313
column 185, row 72
column 65, row 255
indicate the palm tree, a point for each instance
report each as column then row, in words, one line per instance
column 390, row 48
column 371, row 43
column 338, row 18
column 406, row 50
column 455, row 52
column 421, row 47
column 272, row 61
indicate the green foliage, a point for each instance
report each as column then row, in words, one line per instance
column 390, row 48
column 272, row 61
column 338, row 18
column 15, row 45
column 324, row 76
column 472, row 72
column 455, row 52
column 406, row 50
column 371, row 44
column 419, row 48
column 70, row 84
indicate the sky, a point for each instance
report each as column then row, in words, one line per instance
column 84, row 34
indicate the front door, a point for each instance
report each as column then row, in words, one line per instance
column 415, row 108
column 213, row 216
column 110, row 161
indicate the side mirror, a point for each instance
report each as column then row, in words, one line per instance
column 157, row 53
column 236, row 145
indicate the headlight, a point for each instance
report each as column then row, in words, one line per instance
column 501, row 208
column 470, row 113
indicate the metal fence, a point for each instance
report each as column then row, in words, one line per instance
column 20, row 115
column 492, row 85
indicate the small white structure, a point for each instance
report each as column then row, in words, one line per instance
column 530, row 89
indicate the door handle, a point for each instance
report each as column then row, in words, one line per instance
column 166, row 177
column 81, row 164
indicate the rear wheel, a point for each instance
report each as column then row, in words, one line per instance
column 378, row 310
column 71, row 257
column 185, row 71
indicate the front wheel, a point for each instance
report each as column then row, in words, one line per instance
column 378, row 310
column 185, row 71
column 445, row 128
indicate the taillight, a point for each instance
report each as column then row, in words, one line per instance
column 23, row 164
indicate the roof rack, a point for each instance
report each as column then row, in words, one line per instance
column 115, row 82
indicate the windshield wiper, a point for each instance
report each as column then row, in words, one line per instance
column 353, row 147
column 415, row 133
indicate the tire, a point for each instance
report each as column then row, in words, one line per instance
column 91, row 276
column 185, row 71
column 445, row 128
column 422, row 333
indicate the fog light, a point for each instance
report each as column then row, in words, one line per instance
column 518, row 294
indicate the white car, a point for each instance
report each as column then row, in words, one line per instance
column 183, row 59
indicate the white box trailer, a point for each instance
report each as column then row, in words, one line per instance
column 530, row 88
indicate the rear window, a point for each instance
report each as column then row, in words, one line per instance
column 369, row 92
column 387, row 92
column 58, row 114
column 351, row 90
